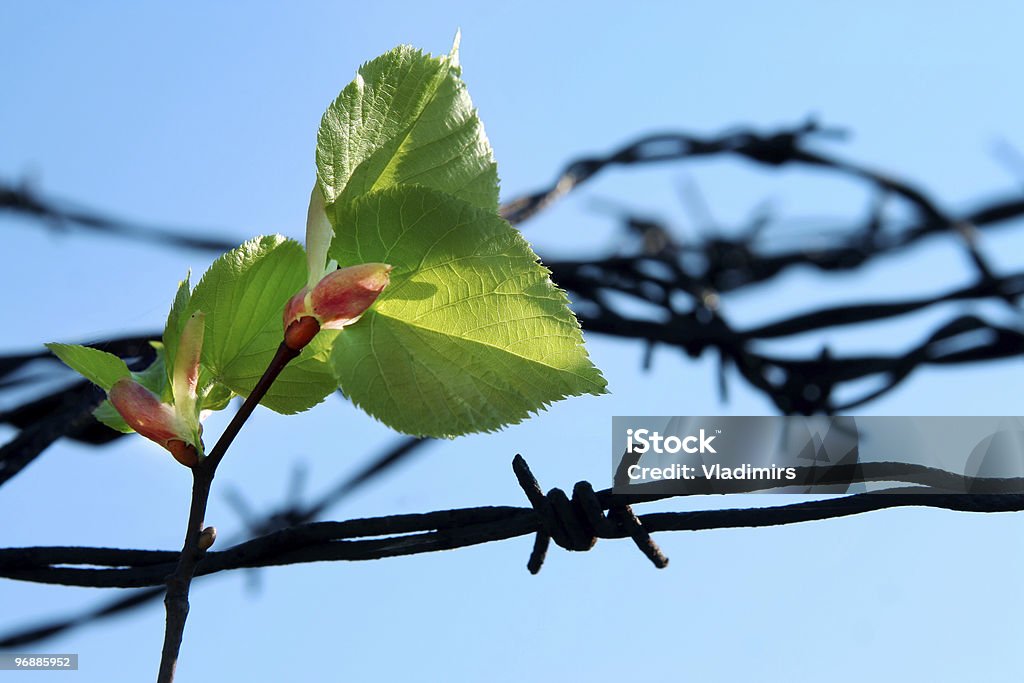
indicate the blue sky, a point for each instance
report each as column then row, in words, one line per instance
column 205, row 116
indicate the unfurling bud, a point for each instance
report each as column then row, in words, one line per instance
column 185, row 381
column 207, row 537
column 336, row 301
column 157, row 421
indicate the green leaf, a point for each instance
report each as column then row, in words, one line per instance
column 243, row 295
column 406, row 119
column 470, row 335
column 212, row 394
column 99, row 367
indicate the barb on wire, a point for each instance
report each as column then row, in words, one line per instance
column 576, row 524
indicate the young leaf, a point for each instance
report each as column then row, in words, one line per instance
column 243, row 295
column 470, row 335
column 319, row 233
column 99, row 367
column 215, row 396
column 176, row 319
column 406, row 118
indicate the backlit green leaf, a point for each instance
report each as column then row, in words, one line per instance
column 99, row 367
column 406, row 119
column 470, row 335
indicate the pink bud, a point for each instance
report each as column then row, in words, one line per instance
column 149, row 416
column 340, row 297
column 344, row 295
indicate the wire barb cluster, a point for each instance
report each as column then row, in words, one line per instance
column 577, row 524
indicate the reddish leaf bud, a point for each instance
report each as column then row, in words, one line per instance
column 338, row 299
column 149, row 416
column 344, row 295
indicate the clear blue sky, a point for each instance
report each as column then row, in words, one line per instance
column 205, row 115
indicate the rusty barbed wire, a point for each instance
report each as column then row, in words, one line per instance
column 573, row 525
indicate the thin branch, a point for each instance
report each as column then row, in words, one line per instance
column 178, row 583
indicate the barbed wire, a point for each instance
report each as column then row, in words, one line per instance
column 60, row 215
column 660, row 271
column 573, row 524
